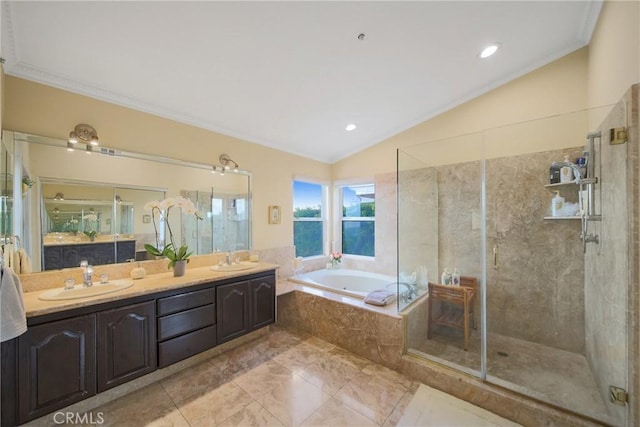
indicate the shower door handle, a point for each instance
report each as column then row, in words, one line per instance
column 495, row 257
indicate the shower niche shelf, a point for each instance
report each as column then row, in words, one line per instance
column 562, row 185
column 561, row 217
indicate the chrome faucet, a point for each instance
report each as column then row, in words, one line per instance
column 229, row 258
column 87, row 273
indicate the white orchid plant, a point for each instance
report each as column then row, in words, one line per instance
column 162, row 209
column 90, row 218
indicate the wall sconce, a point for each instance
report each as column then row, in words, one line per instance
column 59, row 196
column 225, row 161
column 84, row 133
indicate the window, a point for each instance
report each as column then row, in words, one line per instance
column 358, row 219
column 308, row 218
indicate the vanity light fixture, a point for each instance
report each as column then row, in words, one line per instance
column 489, row 50
column 225, row 161
column 59, row 196
column 85, row 133
column 89, row 149
column 350, row 127
column 70, row 146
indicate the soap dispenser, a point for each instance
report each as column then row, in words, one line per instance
column 446, row 277
column 455, row 277
column 557, row 204
column 138, row 272
column 566, row 172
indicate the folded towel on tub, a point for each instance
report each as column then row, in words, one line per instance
column 380, row 297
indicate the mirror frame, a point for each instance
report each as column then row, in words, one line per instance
column 15, row 137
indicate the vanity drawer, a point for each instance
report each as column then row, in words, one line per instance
column 176, row 349
column 186, row 321
column 186, row 301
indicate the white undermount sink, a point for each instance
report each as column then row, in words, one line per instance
column 80, row 291
column 234, row 267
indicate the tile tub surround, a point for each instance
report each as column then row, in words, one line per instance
column 375, row 335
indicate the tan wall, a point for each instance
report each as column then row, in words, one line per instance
column 559, row 87
column 43, row 110
column 614, row 52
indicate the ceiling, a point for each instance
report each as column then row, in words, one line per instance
column 289, row 75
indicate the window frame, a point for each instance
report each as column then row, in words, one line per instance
column 340, row 218
column 324, row 210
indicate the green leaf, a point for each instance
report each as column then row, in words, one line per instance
column 152, row 250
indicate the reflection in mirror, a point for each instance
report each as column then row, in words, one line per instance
column 93, row 222
column 116, row 185
column 6, row 191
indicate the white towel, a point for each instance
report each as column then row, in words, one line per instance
column 24, row 262
column 380, row 297
column 13, row 320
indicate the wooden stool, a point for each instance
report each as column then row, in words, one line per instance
column 456, row 308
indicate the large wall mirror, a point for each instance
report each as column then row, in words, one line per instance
column 91, row 204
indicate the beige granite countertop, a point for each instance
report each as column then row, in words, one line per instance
column 86, row 241
column 152, row 283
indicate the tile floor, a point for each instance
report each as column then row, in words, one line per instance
column 559, row 377
column 279, row 379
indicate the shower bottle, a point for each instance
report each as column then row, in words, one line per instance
column 557, row 204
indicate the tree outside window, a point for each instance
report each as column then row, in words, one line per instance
column 358, row 219
column 308, row 218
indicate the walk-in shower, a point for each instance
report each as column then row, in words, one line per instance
column 554, row 303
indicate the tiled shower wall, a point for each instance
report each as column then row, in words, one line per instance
column 536, row 293
column 608, row 265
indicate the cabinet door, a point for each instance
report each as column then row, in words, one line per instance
column 126, row 344
column 56, row 365
column 263, row 301
column 232, row 313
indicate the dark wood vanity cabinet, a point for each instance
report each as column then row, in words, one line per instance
column 126, row 344
column 245, row 306
column 262, row 301
column 56, row 366
column 186, row 325
column 61, row 360
column 233, row 310
column 59, row 256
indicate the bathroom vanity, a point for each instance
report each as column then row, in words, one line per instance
column 72, row 354
column 66, row 255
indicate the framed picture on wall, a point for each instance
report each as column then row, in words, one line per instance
column 274, row 214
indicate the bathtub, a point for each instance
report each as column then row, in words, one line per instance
column 354, row 283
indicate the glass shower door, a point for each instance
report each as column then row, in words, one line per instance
column 554, row 331
column 440, row 229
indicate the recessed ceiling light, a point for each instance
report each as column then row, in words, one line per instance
column 350, row 127
column 489, row 50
